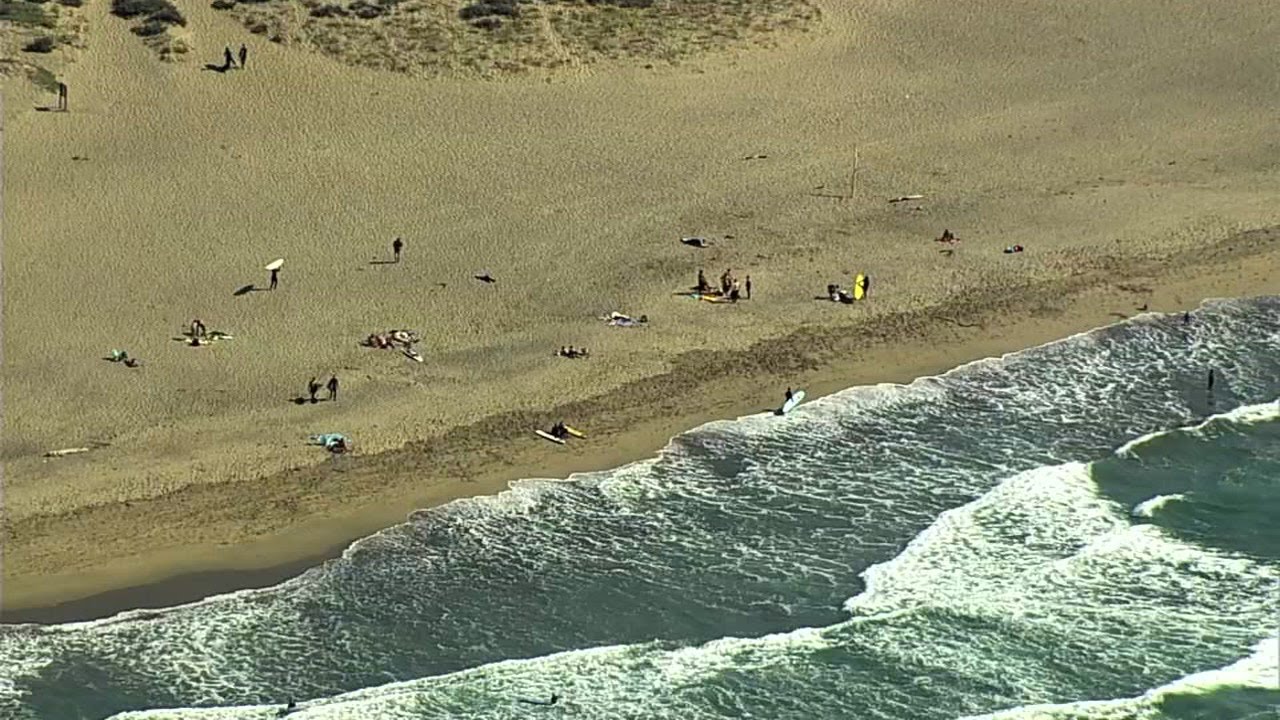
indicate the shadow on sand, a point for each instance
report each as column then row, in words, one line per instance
column 217, row 68
column 245, row 290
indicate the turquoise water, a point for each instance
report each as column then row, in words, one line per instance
column 1079, row 530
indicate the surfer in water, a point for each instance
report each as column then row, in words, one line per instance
column 554, row 699
column 1210, row 379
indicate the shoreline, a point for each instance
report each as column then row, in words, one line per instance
column 893, row 348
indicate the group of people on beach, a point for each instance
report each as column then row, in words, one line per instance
column 729, row 286
column 313, row 387
column 228, row 61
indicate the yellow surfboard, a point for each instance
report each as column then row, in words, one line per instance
column 859, row 286
column 575, row 432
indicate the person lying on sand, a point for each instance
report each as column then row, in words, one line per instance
column 617, row 319
column 698, row 242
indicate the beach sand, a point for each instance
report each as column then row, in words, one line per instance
column 1128, row 147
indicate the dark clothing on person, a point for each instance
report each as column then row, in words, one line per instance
column 788, row 393
column 333, row 387
column 275, row 279
column 227, row 61
column 1210, row 378
column 748, row 287
column 244, row 53
column 313, row 387
column 396, row 247
column 62, row 96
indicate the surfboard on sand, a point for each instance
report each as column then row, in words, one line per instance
column 412, row 354
column 859, row 286
column 575, row 432
column 275, row 264
column 548, row 436
column 796, row 398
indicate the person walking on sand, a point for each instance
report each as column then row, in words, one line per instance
column 748, row 287
column 227, row 61
column 396, row 247
column 62, row 96
column 244, row 53
column 333, row 387
column 275, row 278
column 313, row 387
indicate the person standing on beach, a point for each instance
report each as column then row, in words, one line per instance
column 275, row 278
column 396, row 247
column 227, row 61
column 244, row 53
column 748, row 285
column 313, row 387
column 333, row 387
column 62, row 96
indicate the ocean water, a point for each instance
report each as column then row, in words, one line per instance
column 1077, row 531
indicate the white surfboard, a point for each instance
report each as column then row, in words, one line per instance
column 548, row 436
column 788, row 406
column 275, row 264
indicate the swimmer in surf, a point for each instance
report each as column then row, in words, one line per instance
column 1210, row 378
column 554, row 699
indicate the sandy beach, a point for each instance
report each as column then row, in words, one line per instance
column 1126, row 145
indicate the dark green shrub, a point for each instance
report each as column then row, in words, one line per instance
column 41, row 44
column 168, row 15
column 136, row 8
column 488, row 8
column 150, row 28
column 366, row 11
column 324, row 11
column 24, row 13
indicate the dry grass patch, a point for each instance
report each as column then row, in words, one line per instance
column 36, row 38
column 500, row 37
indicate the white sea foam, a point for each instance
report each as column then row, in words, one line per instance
column 1258, row 670
column 1148, row 508
column 1243, row 415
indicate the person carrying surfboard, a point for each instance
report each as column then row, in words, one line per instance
column 275, row 278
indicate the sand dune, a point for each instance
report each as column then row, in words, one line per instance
column 1103, row 136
